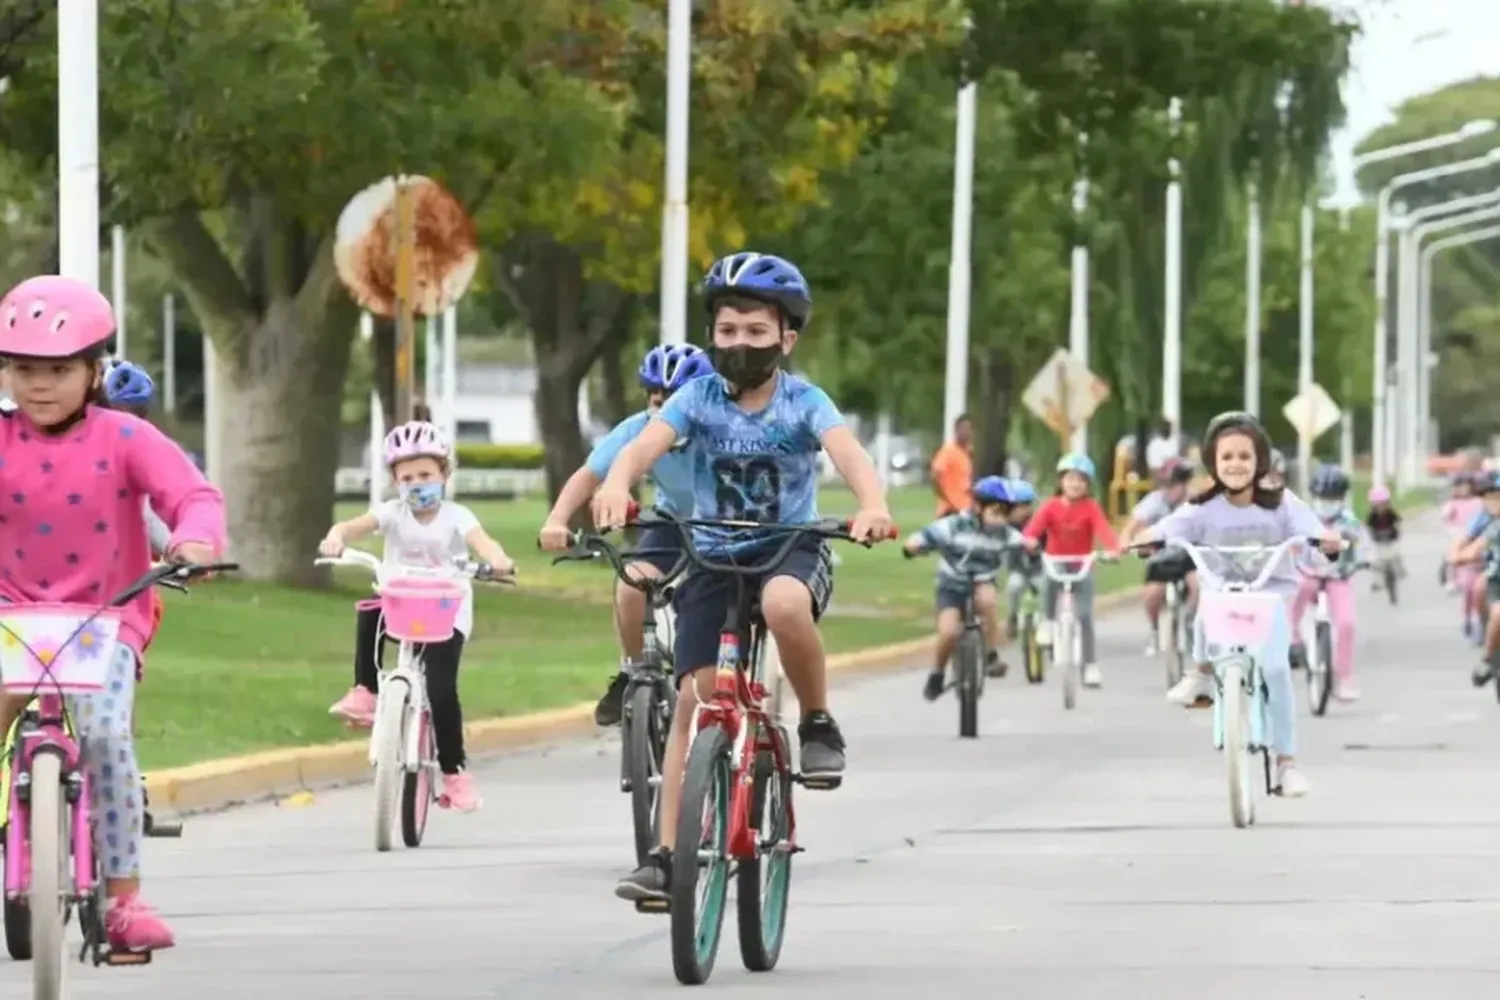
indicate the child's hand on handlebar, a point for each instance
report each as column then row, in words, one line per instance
column 871, row 524
column 1030, row 544
column 193, row 554
column 610, row 508
column 554, row 537
column 332, row 545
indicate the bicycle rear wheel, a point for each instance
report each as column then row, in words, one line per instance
column 1320, row 670
column 390, row 709
column 417, row 793
column 1234, row 707
column 765, row 880
column 968, row 668
column 48, row 829
column 645, row 745
column 700, row 863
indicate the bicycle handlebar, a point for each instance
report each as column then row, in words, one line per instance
column 588, row 546
column 461, row 567
column 174, row 575
column 1052, row 566
column 1274, row 555
column 833, row 529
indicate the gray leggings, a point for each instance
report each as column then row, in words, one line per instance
column 1083, row 609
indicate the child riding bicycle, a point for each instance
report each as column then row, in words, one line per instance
column 1480, row 547
column 1161, row 573
column 664, row 370
column 1074, row 524
column 60, row 445
column 755, row 433
column 972, row 545
column 421, row 529
column 1239, row 509
column 1383, row 524
column 1330, row 493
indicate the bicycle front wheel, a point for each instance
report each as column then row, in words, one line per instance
column 1063, row 654
column 49, row 856
column 1320, row 670
column 1036, row 667
column 968, row 674
column 1172, row 647
column 1390, row 582
column 1234, row 706
column 417, row 783
column 700, row 863
column 390, row 709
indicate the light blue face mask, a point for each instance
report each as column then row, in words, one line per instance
column 422, row 496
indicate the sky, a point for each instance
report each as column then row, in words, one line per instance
column 1407, row 48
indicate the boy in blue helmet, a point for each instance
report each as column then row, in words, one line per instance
column 1025, row 567
column 664, row 370
column 972, row 544
column 129, row 387
column 756, row 432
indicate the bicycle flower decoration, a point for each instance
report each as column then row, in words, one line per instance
column 92, row 642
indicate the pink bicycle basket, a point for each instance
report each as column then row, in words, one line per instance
column 40, row 651
column 1238, row 618
column 419, row 609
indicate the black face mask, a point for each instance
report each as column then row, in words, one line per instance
column 746, row 367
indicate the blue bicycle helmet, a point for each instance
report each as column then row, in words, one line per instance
column 760, row 276
column 669, row 367
column 1487, row 482
column 1023, row 491
column 1330, row 483
column 126, row 384
column 993, row 489
column 1076, row 463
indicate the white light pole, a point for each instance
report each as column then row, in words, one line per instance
column 1171, row 347
column 169, row 352
column 78, row 139
column 117, row 297
column 1252, row 302
column 956, row 373
column 1305, row 342
column 375, row 460
column 1078, row 316
column 1378, row 442
column 674, row 213
column 1424, row 295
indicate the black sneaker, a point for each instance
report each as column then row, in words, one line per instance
column 822, row 746
column 994, row 666
column 652, row 881
column 1297, row 656
column 933, row 689
column 612, row 705
column 1482, row 674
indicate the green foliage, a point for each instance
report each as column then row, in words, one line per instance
column 501, row 456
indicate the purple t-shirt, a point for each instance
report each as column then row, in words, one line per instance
column 1219, row 522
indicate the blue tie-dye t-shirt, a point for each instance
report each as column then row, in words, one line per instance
column 759, row 466
column 671, row 476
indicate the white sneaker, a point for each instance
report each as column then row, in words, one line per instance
column 1191, row 689
column 1092, row 678
column 1044, row 633
column 1153, row 646
column 1292, row 781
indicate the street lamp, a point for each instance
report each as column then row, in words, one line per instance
column 1379, row 443
column 1424, row 296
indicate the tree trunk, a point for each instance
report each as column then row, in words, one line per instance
column 383, row 366
column 995, row 439
column 616, row 406
column 281, row 387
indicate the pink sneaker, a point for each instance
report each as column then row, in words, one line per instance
column 131, row 925
column 1346, row 690
column 357, row 707
column 459, row 792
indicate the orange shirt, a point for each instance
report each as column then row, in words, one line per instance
column 953, row 478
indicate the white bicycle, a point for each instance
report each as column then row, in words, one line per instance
column 419, row 606
column 1238, row 618
column 1063, row 639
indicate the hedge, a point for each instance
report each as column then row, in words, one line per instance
column 501, row 456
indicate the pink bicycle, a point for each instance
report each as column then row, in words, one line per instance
column 49, row 651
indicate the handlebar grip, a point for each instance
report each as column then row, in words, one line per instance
column 632, row 510
column 890, row 536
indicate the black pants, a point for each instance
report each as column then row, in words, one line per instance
column 440, row 667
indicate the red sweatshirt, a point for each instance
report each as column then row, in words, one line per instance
column 1072, row 527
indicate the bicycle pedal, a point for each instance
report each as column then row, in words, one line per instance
column 655, row 906
column 127, row 958
column 819, row 783
column 166, row 828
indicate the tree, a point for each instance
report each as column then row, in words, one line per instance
column 233, row 131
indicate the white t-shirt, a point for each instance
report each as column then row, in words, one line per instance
column 434, row 545
column 1160, row 451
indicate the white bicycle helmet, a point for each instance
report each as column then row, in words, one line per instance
column 417, row 439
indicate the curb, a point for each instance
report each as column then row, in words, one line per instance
column 231, row 781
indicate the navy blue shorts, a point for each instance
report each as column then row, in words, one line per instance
column 956, row 595
column 703, row 600
column 660, row 545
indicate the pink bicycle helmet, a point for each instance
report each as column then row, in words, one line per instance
column 1379, row 494
column 50, row 316
column 416, row 439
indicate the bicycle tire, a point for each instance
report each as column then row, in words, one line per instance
column 390, row 709
column 968, row 680
column 644, row 749
column 1172, row 648
column 416, row 786
column 1235, row 719
column 1320, row 671
column 47, row 828
column 1036, row 667
column 1062, row 637
column 762, row 902
column 1390, row 583
column 17, row 929
column 708, row 780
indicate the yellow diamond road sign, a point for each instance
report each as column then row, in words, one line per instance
column 1064, row 394
column 1312, row 413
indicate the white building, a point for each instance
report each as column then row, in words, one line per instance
column 494, row 404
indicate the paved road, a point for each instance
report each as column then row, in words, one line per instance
column 1080, row 855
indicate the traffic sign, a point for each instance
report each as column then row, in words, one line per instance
column 1312, row 413
column 1064, row 394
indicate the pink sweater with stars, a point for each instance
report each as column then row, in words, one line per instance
column 71, row 530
